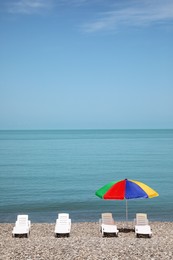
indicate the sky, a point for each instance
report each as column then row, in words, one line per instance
column 86, row 64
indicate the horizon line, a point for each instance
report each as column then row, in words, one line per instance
column 84, row 129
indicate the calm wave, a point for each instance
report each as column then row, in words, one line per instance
column 46, row 172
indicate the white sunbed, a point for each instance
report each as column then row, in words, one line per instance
column 107, row 224
column 142, row 226
column 22, row 226
column 63, row 224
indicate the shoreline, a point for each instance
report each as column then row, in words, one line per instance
column 86, row 242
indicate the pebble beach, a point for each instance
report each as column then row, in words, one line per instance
column 86, row 242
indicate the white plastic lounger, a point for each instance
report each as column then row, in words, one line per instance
column 142, row 226
column 22, row 226
column 63, row 224
column 107, row 224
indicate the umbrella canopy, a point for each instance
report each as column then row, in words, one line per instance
column 126, row 189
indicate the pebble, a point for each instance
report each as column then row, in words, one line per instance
column 86, row 243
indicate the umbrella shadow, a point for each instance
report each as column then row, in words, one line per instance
column 126, row 230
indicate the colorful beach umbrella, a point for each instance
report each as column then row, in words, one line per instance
column 125, row 190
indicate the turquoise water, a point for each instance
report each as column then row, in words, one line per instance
column 46, row 172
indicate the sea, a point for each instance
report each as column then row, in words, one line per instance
column 46, row 172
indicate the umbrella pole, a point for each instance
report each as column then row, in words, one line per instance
column 126, row 213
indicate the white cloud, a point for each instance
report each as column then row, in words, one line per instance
column 37, row 6
column 139, row 13
column 114, row 15
column 28, row 6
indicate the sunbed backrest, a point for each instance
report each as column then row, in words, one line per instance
column 107, row 218
column 141, row 219
column 22, row 220
column 107, row 215
column 63, row 218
